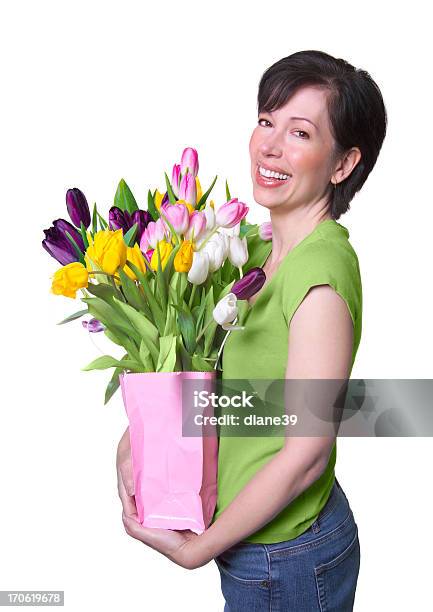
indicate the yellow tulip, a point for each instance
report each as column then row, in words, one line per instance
column 212, row 203
column 68, row 279
column 158, row 199
column 135, row 256
column 183, row 258
column 199, row 191
column 107, row 250
column 165, row 248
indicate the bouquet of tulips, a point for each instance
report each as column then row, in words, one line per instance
column 166, row 284
column 159, row 282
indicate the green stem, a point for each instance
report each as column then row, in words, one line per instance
column 215, row 229
column 204, row 329
column 191, row 299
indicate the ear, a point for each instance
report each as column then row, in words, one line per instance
column 345, row 165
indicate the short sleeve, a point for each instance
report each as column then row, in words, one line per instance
column 323, row 262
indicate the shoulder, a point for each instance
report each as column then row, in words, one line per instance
column 328, row 260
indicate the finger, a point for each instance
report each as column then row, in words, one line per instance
column 127, row 477
column 128, row 501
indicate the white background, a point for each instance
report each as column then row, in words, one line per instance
column 96, row 91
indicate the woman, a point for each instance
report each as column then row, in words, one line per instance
column 283, row 534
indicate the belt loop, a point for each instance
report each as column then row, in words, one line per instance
column 315, row 527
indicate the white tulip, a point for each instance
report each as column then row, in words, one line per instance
column 217, row 251
column 238, row 251
column 200, row 267
column 231, row 231
column 226, row 310
column 210, row 216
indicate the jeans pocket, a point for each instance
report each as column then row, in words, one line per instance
column 246, row 565
column 336, row 579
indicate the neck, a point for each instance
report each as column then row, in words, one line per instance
column 289, row 228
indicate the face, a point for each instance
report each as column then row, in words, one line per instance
column 296, row 141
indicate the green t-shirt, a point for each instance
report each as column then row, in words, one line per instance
column 260, row 351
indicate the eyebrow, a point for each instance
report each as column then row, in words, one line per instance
column 300, row 119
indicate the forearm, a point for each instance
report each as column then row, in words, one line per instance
column 270, row 490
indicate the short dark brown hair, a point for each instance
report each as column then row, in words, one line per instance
column 356, row 110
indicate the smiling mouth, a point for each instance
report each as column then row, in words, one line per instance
column 270, row 181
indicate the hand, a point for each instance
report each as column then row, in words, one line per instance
column 125, row 480
column 181, row 546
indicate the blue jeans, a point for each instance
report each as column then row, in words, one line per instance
column 317, row 571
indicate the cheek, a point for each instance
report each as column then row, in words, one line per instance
column 308, row 159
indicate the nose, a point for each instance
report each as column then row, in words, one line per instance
column 271, row 145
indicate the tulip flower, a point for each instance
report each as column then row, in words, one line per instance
column 265, row 230
column 148, row 254
column 78, row 208
column 57, row 244
column 177, row 215
column 189, row 160
column 231, row 213
column 190, row 208
column 188, row 189
column 238, row 251
column 175, row 178
column 165, row 249
column 183, row 258
column 158, row 198
column 107, row 250
column 197, row 225
column 135, row 256
column 122, row 219
column 70, row 278
column 226, row 310
column 94, row 326
column 200, row 268
column 249, row 284
column 216, row 249
column 154, row 232
column 209, row 213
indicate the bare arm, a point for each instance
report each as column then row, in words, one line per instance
column 320, row 346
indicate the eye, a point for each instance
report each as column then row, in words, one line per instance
column 263, row 120
column 302, row 132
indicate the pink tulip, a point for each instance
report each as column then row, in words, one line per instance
column 189, row 160
column 154, row 232
column 231, row 213
column 148, row 254
column 188, row 189
column 265, row 230
column 175, row 176
column 197, row 223
column 177, row 215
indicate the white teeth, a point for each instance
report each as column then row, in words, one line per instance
column 272, row 174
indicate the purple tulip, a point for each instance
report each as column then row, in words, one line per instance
column 122, row 219
column 94, row 326
column 142, row 218
column 57, row 244
column 77, row 206
column 165, row 199
column 249, row 284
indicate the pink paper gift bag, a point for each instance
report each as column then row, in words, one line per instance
column 175, row 476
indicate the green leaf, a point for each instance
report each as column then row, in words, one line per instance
column 258, row 250
column 129, row 237
column 123, row 340
column 157, row 313
column 205, row 195
column 74, row 316
column 187, row 328
column 102, row 222
column 185, row 357
column 114, row 382
column 106, row 361
column 76, row 248
column 172, row 198
column 143, row 326
column 124, row 198
column 94, row 219
column 130, row 290
column 108, row 315
column 84, row 235
column 200, row 365
column 151, row 207
column 146, row 358
column 167, row 354
column 228, row 196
